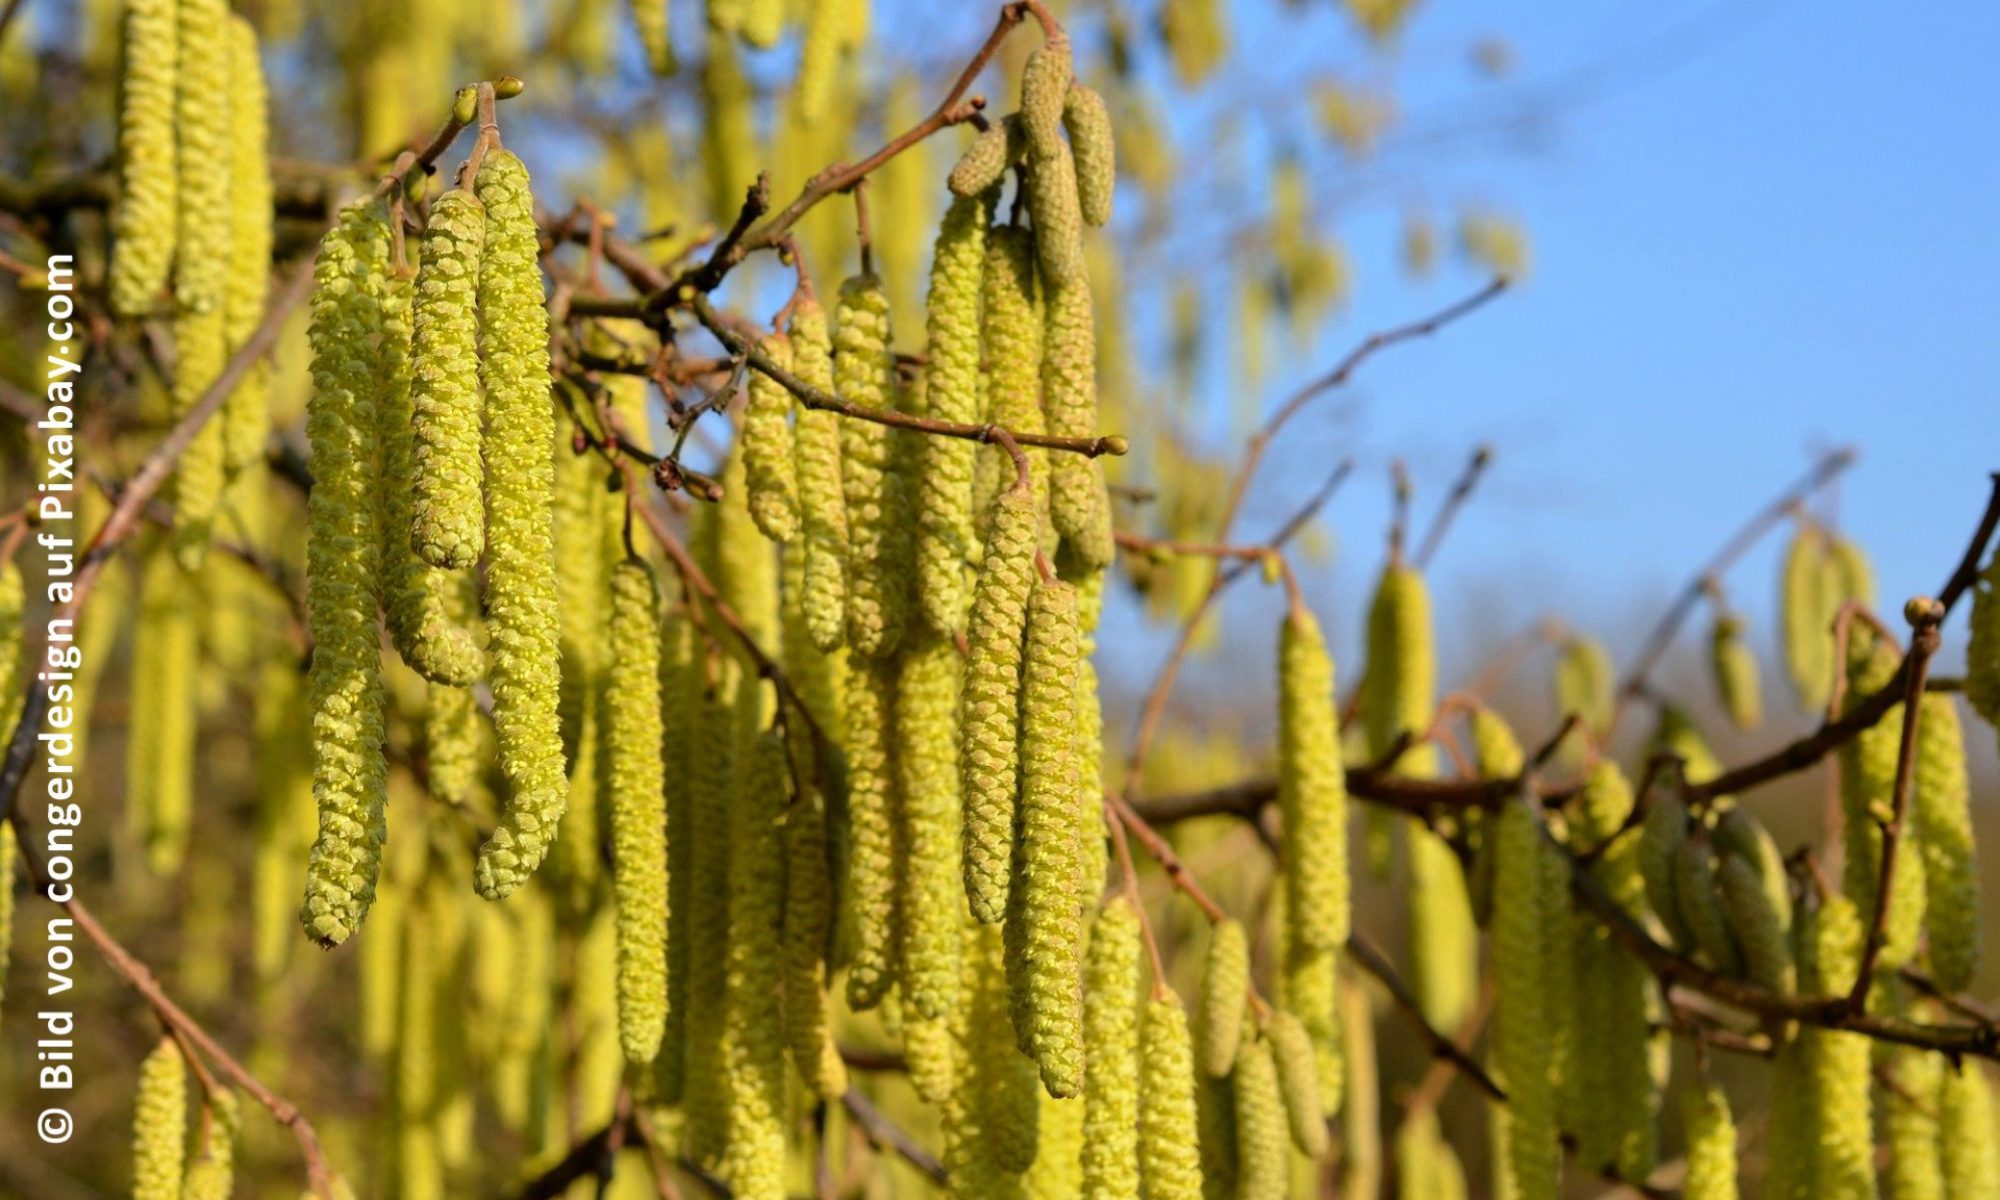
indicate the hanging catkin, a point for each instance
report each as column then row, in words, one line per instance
column 879, row 535
column 1095, row 150
column 1665, row 827
column 1711, row 1145
column 989, row 757
column 1260, row 1123
column 1965, row 1113
column 767, row 450
column 349, row 775
column 448, row 525
column 1734, row 666
column 160, row 746
column 1839, row 1123
column 1522, row 1016
column 1312, row 787
column 1806, row 606
column 1051, row 183
column 1944, row 836
column 1078, row 504
column 246, row 417
column 1298, row 1081
column 1756, row 926
column 143, row 224
column 211, row 1173
column 1695, row 865
column 1225, row 989
column 159, row 1124
column 414, row 594
column 822, row 503
column 873, row 855
column 933, row 891
column 1011, row 330
column 1584, row 681
column 1169, row 1160
column 807, row 931
column 945, row 539
column 638, row 819
column 1111, row 1054
column 1915, row 1170
column 713, row 684
column 753, row 1041
column 1044, row 934
column 520, row 581
column 1867, row 797
column 1982, row 647
column 997, row 1085
column 201, row 123
column 998, row 146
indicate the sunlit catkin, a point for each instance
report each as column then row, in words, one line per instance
column 1111, row 1054
column 1734, row 666
column 246, row 417
column 767, row 451
column 349, row 774
column 1091, row 143
column 159, row 1124
column 1169, row 1158
column 414, row 593
column 873, row 856
column 933, row 891
column 448, row 524
column 1044, row 934
column 1225, row 984
column 1756, row 925
column 143, row 222
column 1965, row 1115
column 877, row 517
column 1051, row 182
column 1078, row 504
column 520, row 580
column 808, row 930
column 1011, row 330
column 1944, row 836
column 945, row 539
column 1521, row 1014
column 1910, row 1129
column 822, row 503
column 1312, row 787
column 201, row 124
column 1839, row 1122
column 160, row 745
column 753, row 1041
column 1001, row 144
column 1711, row 1145
column 1806, row 603
column 1260, row 1123
column 989, row 758
column 638, row 818
column 1298, row 1081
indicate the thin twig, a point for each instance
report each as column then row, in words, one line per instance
column 1368, row 958
column 885, row 1134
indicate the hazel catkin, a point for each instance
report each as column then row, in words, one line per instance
column 1839, row 1124
column 448, row 525
column 1094, row 149
column 989, row 757
column 767, row 452
column 997, row 147
column 1734, row 666
column 1806, row 604
column 1078, row 504
column 929, row 875
column 202, row 126
column 753, row 1039
column 1965, row 1115
column 520, row 582
column 342, row 588
column 822, row 503
column 1169, row 1161
column 1711, row 1142
column 1260, row 1123
column 877, row 515
column 245, row 416
column 1225, row 989
column 873, row 852
column 638, row 818
column 1298, row 1080
column 1945, row 839
column 1522, row 1045
column 1312, row 787
column 1111, row 1054
column 945, row 538
column 808, row 928
column 144, row 221
column 159, row 1124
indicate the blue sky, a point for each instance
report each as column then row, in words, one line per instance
column 1759, row 230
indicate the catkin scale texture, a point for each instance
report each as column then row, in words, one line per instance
column 144, row 222
column 1045, row 941
column 1225, row 984
column 945, row 538
column 1915, row 1170
column 1965, row 1113
column 245, row 415
column 1260, row 1123
column 1169, row 1155
column 1095, row 151
column 447, row 529
column 822, row 500
column 159, row 1124
column 1002, row 143
column 638, row 818
column 1806, row 605
column 1711, row 1140
column 202, row 125
column 873, row 853
column 933, row 892
column 1734, row 665
column 767, row 452
column 864, row 372
column 1522, row 1041
column 753, row 1038
column 989, row 759
column 1839, row 1121
column 807, row 930
column 1078, row 505
column 349, row 775
column 521, row 585
column 1312, row 789
column 1945, row 839
column 1111, row 1054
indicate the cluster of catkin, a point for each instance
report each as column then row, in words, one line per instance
column 170, row 1160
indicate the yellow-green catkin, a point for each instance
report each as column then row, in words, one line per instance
column 1915, row 1170
column 753, row 1040
column 1011, row 331
column 1298, row 1080
column 822, row 501
column 1790, row 1152
column 819, row 59
column 1756, row 925
column 1426, row 1166
column 448, row 524
column 211, row 1174
column 638, row 815
column 159, row 1124
column 808, row 929
column 143, row 223
column 1734, row 665
column 933, row 891
column 414, row 593
column 1111, row 1054
column 1664, row 828
column 1522, row 1016
column 864, row 372
column 1312, row 787
column 1867, row 800
column 999, row 145
column 873, row 854
column 1260, row 1123
column 1965, row 1114
column 996, row 1093
column 1944, row 835
column 698, row 900
column 201, row 123
column 654, row 21
column 1806, row 606
column 1078, row 504
column 342, row 588
column 1840, row 1120
column 1584, row 681
column 767, row 451
column 989, row 758
column 520, row 580
column 1225, row 990
column 1169, row 1154
column 160, row 746
column 945, row 537
column 455, row 749
column 1091, row 143
column 1044, row 934
column 1982, row 646
column 1052, row 188
column 246, row 417
column 1695, row 884
column 1711, row 1145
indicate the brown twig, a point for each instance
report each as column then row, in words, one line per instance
column 1364, row 955
column 885, row 1134
column 1482, row 457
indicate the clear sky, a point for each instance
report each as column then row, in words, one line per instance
column 1758, row 229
